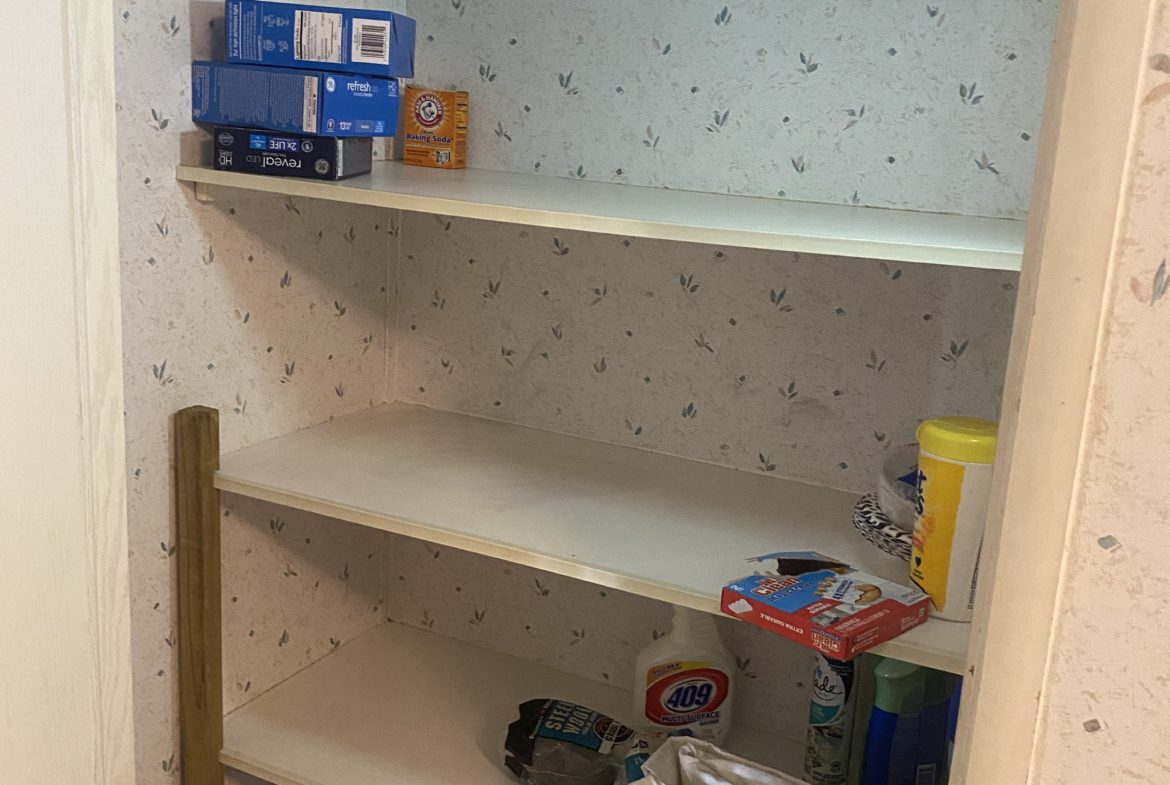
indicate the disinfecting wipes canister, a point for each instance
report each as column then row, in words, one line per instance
column 954, row 484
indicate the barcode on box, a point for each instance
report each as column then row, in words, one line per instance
column 926, row 774
column 370, row 42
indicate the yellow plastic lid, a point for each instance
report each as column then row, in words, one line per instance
column 967, row 439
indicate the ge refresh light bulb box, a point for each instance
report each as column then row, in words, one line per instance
column 293, row 100
column 345, row 40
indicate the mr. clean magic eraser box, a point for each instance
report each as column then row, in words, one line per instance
column 824, row 604
column 345, row 40
column 292, row 99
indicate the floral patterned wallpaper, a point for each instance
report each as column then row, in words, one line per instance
column 283, row 313
column 295, row 587
column 582, row 628
column 1103, row 712
column 891, row 103
column 804, row 366
column 274, row 312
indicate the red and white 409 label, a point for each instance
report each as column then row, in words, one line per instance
column 686, row 696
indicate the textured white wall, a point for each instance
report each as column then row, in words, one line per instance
column 65, row 653
column 1103, row 712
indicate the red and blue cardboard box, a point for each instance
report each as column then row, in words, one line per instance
column 823, row 603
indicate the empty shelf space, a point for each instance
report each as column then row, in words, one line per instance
column 638, row 211
column 654, row 525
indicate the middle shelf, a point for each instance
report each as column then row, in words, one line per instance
column 655, row 525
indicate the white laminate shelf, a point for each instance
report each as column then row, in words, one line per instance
column 654, row 525
column 402, row 706
column 637, row 211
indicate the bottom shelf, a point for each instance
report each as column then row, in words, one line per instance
column 402, row 706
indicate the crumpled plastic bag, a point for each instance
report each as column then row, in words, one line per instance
column 685, row 761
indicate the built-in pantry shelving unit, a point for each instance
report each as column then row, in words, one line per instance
column 860, row 142
column 649, row 524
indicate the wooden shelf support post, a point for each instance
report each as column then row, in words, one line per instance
column 200, row 655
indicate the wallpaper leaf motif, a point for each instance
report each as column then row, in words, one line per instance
column 856, row 116
column 986, row 164
column 956, row 351
column 807, row 64
column 777, row 299
column 1161, row 282
column 752, row 84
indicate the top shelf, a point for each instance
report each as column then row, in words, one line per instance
column 636, row 211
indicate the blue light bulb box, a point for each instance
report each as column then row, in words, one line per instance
column 292, row 99
column 343, row 40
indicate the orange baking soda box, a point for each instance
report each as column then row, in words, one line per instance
column 435, row 128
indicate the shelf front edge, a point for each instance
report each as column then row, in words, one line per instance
column 917, row 653
column 484, row 547
column 946, row 255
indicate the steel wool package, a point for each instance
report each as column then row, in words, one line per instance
column 556, row 742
